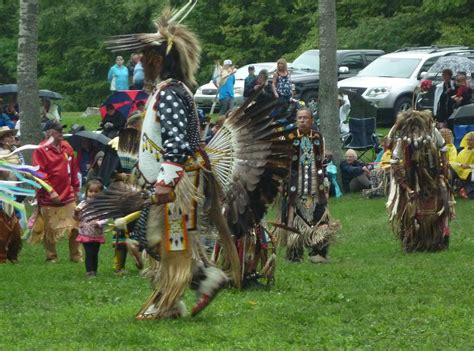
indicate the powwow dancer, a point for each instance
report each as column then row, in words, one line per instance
column 305, row 216
column 420, row 202
column 16, row 179
column 261, row 162
column 169, row 161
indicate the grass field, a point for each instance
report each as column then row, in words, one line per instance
column 370, row 296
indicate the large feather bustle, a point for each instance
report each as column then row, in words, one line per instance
column 249, row 161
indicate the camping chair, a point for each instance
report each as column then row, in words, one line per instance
column 362, row 137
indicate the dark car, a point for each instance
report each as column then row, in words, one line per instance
column 305, row 69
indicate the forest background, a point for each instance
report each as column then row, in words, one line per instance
column 74, row 61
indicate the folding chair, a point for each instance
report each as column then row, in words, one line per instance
column 362, row 137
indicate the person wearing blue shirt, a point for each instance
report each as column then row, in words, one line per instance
column 138, row 76
column 118, row 75
column 226, row 88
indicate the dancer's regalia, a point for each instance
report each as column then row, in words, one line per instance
column 305, row 215
column 19, row 180
column 189, row 181
column 420, row 202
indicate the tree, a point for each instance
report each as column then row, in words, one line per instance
column 328, row 109
column 27, row 72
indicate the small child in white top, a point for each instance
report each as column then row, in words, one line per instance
column 91, row 233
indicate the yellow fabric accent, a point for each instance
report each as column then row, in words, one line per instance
column 132, row 217
column 451, row 154
column 385, row 160
column 465, row 157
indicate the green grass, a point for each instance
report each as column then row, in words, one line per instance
column 370, row 296
column 90, row 123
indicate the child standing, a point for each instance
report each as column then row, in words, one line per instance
column 91, row 233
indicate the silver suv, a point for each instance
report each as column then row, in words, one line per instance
column 389, row 81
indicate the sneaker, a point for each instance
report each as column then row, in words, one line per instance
column 318, row 259
column 51, row 260
column 462, row 193
column 91, row 274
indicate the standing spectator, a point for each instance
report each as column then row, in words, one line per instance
column 463, row 93
column 249, row 82
column 281, row 82
column 118, row 75
column 10, row 232
column 49, row 110
column 443, row 106
column 355, row 175
column 138, row 75
column 113, row 122
column 91, row 233
column 56, row 208
column 134, row 58
column 226, row 87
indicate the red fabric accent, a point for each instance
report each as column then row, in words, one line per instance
column 54, row 163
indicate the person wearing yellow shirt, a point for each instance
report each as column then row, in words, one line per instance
column 464, row 165
column 452, row 153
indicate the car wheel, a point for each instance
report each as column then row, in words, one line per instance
column 403, row 103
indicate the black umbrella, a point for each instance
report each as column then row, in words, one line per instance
column 12, row 89
column 75, row 139
column 44, row 93
column 8, row 89
column 463, row 115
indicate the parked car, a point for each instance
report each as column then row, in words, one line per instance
column 206, row 94
column 389, row 81
column 305, row 69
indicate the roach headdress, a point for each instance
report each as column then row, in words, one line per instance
column 171, row 33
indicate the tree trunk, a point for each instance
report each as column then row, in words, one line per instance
column 328, row 107
column 27, row 73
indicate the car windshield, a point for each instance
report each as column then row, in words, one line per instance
column 308, row 60
column 390, row 68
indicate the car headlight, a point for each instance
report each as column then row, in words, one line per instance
column 379, row 92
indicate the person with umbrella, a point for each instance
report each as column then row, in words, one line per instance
column 443, row 94
column 49, row 110
column 113, row 122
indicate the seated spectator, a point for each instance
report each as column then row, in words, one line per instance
column 464, row 166
column 113, row 122
column 49, row 110
column 214, row 127
column 355, row 174
column 452, row 153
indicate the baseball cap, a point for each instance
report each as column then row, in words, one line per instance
column 53, row 124
column 227, row 62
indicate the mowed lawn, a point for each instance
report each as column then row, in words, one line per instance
column 370, row 296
